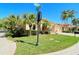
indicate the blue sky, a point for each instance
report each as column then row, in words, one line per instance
column 50, row 11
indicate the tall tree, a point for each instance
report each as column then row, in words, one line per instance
column 66, row 15
column 14, row 25
column 30, row 19
column 75, row 22
column 71, row 13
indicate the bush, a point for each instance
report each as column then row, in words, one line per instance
column 67, row 31
column 15, row 26
column 45, row 32
column 19, row 31
column 8, row 34
column 27, row 33
column 34, row 32
column 16, row 32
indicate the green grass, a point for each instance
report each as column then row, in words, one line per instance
column 48, row 43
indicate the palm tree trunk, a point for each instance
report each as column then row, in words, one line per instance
column 75, row 30
column 30, row 32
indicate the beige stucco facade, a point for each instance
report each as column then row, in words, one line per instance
column 55, row 28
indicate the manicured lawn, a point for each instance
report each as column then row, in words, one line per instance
column 48, row 43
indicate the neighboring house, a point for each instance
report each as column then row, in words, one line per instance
column 78, row 28
column 65, row 27
column 56, row 28
column 68, row 27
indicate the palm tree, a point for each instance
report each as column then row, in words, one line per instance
column 10, row 22
column 14, row 25
column 75, row 22
column 71, row 14
column 66, row 15
column 30, row 19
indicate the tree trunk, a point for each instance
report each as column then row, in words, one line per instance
column 30, row 32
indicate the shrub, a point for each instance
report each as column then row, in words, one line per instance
column 67, row 31
column 34, row 32
column 8, row 34
column 19, row 31
column 45, row 32
column 15, row 26
column 26, row 33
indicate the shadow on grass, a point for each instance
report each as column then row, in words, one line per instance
column 19, row 41
column 30, row 43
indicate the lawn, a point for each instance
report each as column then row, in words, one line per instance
column 48, row 43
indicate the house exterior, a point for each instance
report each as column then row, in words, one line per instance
column 34, row 27
column 52, row 27
column 55, row 28
column 68, row 27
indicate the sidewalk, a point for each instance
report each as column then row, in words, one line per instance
column 70, row 34
column 6, row 47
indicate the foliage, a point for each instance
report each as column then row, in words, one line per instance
column 14, row 25
column 66, row 14
column 45, row 25
column 65, row 17
column 1, row 23
column 75, row 22
column 30, row 19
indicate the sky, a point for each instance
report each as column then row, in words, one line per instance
column 50, row 11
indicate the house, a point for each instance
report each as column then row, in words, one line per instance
column 34, row 27
column 68, row 27
column 55, row 28
column 46, row 25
